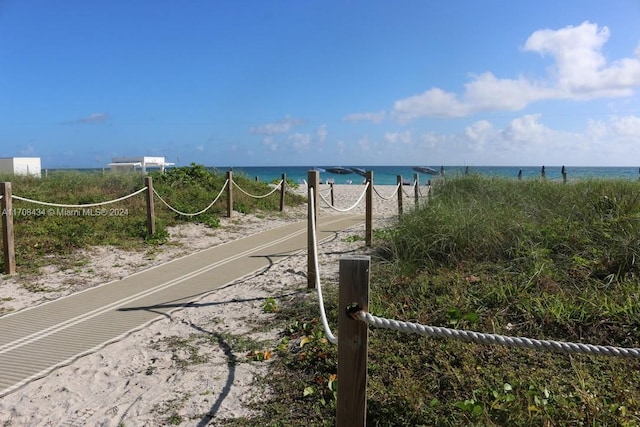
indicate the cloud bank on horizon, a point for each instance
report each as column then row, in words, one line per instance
column 579, row 72
column 272, row 94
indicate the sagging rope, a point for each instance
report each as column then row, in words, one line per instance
column 258, row 197
column 325, row 324
column 412, row 186
column 195, row 213
column 494, row 339
column 389, row 197
column 88, row 205
column 349, row 208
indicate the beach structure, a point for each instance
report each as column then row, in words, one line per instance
column 425, row 169
column 21, row 166
column 133, row 164
column 340, row 170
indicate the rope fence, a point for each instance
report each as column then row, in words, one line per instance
column 352, row 207
column 195, row 213
column 494, row 339
column 6, row 199
column 80, row 206
column 352, row 340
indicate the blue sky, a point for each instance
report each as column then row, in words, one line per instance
column 269, row 83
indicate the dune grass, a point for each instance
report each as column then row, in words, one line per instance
column 522, row 258
column 46, row 234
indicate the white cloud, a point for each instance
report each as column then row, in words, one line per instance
column 275, row 128
column 364, row 144
column 398, row 137
column 91, row 118
column 270, row 143
column 301, row 141
column 628, row 126
column 368, row 117
column 322, row 133
column 580, row 68
column 432, row 103
column 526, row 129
column 579, row 71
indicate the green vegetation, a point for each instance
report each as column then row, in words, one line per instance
column 521, row 258
column 48, row 234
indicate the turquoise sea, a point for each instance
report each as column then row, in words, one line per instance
column 387, row 175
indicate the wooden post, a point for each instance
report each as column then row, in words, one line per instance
column 8, row 241
column 313, row 178
column 331, row 191
column 416, row 187
column 368, row 216
column 543, row 172
column 229, row 193
column 283, row 190
column 353, row 340
column 564, row 174
column 151, row 214
column 399, row 179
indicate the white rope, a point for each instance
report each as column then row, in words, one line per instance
column 391, row 196
column 196, row 213
column 327, row 193
column 494, row 339
column 325, row 324
column 259, row 197
column 88, row 205
column 405, row 191
column 349, row 208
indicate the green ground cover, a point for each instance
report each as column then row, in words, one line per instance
column 529, row 258
column 45, row 234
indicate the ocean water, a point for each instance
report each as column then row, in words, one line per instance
column 387, row 175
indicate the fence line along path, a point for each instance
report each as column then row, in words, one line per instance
column 37, row 340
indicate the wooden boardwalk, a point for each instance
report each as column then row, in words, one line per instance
column 37, row 340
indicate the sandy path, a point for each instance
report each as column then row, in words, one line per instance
column 180, row 366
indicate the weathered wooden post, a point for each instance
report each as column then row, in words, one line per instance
column 416, row 187
column 368, row 215
column 353, row 342
column 283, row 190
column 399, row 182
column 543, row 172
column 151, row 214
column 564, row 174
column 8, row 241
column 313, row 178
column 331, row 191
column 229, row 193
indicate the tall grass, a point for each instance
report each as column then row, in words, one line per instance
column 44, row 234
column 522, row 258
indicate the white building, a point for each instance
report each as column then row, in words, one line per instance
column 132, row 164
column 21, row 166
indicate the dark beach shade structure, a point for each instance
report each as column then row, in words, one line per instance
column 339, row 170
column 359, row 171
column 425, row 169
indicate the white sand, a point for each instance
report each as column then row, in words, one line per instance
column 181, row 364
